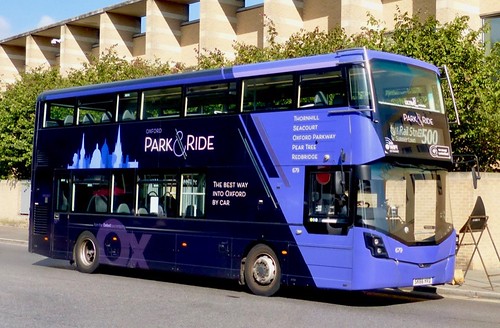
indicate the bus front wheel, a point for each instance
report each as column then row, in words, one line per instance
column 262, row 271
column 86, row 253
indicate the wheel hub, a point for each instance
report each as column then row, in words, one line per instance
column 264, row 270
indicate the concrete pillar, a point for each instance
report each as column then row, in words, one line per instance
column 249, row 29
column 354, row 14
column 324, row 14
column 447, row 10
column 489, row 7
column 12, row 61
column 190, row 42
column 117, row 32
column 40, row 52
column 405, row 6
column 218, row 24
column 163, row 30
column 76, row 46
column 286, row 16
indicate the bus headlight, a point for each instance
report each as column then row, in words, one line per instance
column 376, row 245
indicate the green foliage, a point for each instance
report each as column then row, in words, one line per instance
column 17, row 114
column 110, row 67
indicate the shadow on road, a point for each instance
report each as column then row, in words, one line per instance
column 374, row 298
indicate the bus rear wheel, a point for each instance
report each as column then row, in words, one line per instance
column 86, row 253
column 262, row 271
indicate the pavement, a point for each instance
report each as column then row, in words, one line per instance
column 475, row 285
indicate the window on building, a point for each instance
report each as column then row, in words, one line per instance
column 194, row 11
column 492, row 36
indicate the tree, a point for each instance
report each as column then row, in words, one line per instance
column 17, row 113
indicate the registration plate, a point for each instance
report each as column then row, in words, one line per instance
column 422, row 281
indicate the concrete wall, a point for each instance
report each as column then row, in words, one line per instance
column 11, row 195
column 461, row 199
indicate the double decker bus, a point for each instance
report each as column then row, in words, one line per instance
column 325, row 171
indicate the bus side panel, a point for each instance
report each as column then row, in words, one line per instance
column 329, row 258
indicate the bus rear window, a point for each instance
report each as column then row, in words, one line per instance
column 59, row 114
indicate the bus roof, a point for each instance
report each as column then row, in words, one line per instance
column 355, row 55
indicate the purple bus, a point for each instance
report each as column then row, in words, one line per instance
column 326, row 171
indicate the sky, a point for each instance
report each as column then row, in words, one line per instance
column 19, row 16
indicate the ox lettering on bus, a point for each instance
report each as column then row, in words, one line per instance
column 129, row 248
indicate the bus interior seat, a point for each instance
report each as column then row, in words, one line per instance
column 98, row 204
column 339, row 101
column 123, row 208
column 68, row 120
column 320, row 99
column 190, row 211
column 87, row 119
column 106, row 117
column 128, row 115
column 142, row 211
column 51, row 124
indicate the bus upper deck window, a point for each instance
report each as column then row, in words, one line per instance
column 96, row 109
column 212, row 99
column 358, row 82
column 268, row 93
column 323, row 89
column 127, row 106
column 162, row 103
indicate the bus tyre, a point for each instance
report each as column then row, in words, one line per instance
column 262, row 271
column 86, row 253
